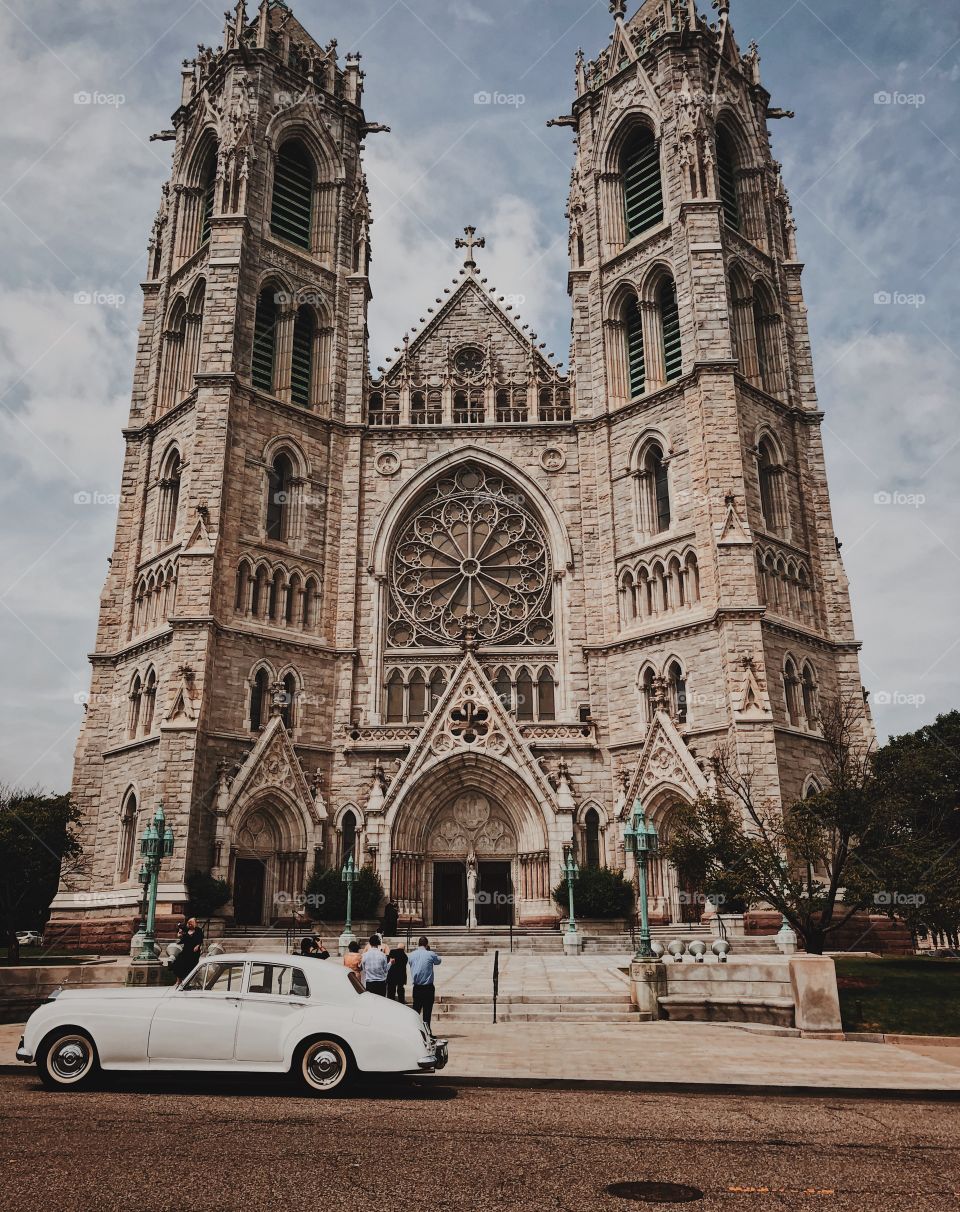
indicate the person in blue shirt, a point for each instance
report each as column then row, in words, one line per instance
column 421, row 964
column 374, row 965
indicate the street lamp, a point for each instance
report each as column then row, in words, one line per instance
column 156, row 844
column 571, row 871
column 643, row 844
column 348, row 876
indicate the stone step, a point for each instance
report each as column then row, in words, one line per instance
column 515, row 1016
column 536, row 999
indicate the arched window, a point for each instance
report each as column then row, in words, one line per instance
column 766, row 326
column 136, row 697
column 264, row 367
column 417, row 697
column 311, row 594
column 288, row 708
column 291, row 213
column 727, row 164
column 128, row 835
column 291, row 613
column 646, row 694
column 591, row 837
column 654, row 491
column 525, row 695
column 302, row 373
column 209, row 186
column 770, row 473
column 677, row 692
column 395, row 698
column 670, row 325
column 503, row 687
column 279, row 476
column 169, row 497
column 348, row 837
column 241, row 600
column 174, row 342
column 149, row 701
column 791, row 692
column 636, row 361
column 275, row 607
column 259, row 700
column 438, row 686
column 811, row 699
column 546, row 695
column 628, row 598
column 642, row 186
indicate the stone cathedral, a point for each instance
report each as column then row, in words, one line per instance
column 466, row 607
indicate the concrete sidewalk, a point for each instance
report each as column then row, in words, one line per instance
column 672, row 1056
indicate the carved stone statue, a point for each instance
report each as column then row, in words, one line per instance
column 471, row 889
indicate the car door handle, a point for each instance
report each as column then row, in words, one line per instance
column 235, row 1000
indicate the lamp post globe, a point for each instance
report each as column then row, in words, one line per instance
column 643, row 843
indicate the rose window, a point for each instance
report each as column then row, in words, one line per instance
column 471, row 556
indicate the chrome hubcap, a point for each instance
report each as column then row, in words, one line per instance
column 70, row 1058
column 324, row 1065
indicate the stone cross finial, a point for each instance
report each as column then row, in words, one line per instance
column 471, row 242
column 619, row 9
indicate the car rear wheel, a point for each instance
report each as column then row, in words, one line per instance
column 325, row 1065
column 68, row 1060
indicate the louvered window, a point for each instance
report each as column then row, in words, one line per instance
column 264, row 341
column 302, row 369
column 635, row 360
column 642, row 187
column 726, row 172
column 670, row 322
column 292, row 209
column 209, row 190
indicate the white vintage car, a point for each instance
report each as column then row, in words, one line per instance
column 252, row 1013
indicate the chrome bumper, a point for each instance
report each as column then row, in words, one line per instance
column 436, row 1059
column 23, row 1054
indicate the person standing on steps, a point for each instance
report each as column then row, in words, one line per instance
column 397, row 976
column 374, row 965
column 421, row 963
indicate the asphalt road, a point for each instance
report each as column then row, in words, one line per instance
column 194, row 1143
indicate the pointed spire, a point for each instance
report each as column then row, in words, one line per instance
column 619, row 9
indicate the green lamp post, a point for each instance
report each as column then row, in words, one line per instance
column 643, row 844
column 156, row 844
column 571, row 871
column 348, row 876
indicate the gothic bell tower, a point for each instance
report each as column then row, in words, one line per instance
column 220, row 604
column 725, row 605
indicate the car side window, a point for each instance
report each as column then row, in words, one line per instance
column 280, row 980
column 216, row 978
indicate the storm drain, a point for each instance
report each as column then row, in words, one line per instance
column 655, row 1193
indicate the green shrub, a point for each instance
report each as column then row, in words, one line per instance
column 205, row 895
column 327, row 895
column 598, row 892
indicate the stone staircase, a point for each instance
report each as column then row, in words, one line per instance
column 599, row 1007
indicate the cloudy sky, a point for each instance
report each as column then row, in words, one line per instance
column 872, row 161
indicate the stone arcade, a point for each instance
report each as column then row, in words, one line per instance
column 455, row 615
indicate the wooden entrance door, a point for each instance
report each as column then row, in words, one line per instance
column 248, row 884
column 495, row 895
column 449, row 894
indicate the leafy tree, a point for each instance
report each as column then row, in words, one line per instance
column 920, row 776
column 819, row 862
column 327, row 895
column 598, row 892
column 205, row 895
column 37, row 838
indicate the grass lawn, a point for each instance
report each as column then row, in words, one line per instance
column 910, row 995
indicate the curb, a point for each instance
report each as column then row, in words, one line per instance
column 611, row 1085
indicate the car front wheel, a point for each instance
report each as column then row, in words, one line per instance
column 324, row 1066
column 67, row 1061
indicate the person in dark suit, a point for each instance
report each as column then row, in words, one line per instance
column 191, row 940
column 397, row 976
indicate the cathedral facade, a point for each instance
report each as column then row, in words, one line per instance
column 466, row 607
